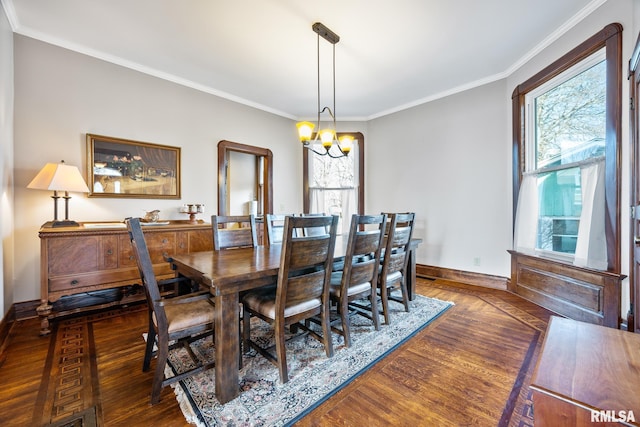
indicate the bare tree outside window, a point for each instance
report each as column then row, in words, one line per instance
column 571, row 117
column 569, row 123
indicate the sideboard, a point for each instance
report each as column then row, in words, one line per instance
column 586, row 375
column 95, row 257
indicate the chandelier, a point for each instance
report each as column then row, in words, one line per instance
column 327, row 136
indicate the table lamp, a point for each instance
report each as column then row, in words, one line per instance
column 59, row 177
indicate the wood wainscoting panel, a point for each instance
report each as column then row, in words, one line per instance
column 466, row 277
column 578, row 292
column 581, row 294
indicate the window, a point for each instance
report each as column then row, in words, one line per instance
column 566, row 130
column 566, row 172
column 335, row 186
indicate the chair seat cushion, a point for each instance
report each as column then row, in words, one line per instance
column 264, row 302
column 353, row 290
column 187, row 315
column 393, row 277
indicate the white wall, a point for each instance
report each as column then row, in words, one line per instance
column 6, row 164
column 62, row 95
column 448, row 161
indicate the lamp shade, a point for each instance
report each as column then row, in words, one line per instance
column 327, row 136
column 346, row 143
column 305, row 130
column 59, row 177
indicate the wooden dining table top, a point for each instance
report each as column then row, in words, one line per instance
column 225, row 270
column 230, row 271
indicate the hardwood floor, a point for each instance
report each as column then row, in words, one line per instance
column 472, row 366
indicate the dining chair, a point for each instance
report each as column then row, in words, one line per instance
column 275, row 227
column 173, row 322
column 301, row 291
column 311, row 231
column 395, row 259
column 359, row 278
column 233, row 231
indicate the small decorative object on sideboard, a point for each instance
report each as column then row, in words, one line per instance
column 151, row 216
column 192, row 209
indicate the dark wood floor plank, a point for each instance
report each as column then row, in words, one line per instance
column 462, row 369
column 21, row 373
column 119, row 351
column 465, row 365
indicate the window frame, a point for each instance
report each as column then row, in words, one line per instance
column 306, row 202
column 609, row 38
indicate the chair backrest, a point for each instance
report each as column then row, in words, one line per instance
column 233, row 231
column 145, row 267
column 364, row 247
column 396, row 248
column 305, row 262
column 311, row 231
column 275, row 227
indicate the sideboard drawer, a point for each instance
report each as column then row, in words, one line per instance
column 84, row 280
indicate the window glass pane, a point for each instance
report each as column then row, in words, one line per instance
column 560, row 206
column 333, row 186
column 570, row 125
column 570, row 119
column 332, row 173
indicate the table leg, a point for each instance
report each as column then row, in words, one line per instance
column 227, row 346
column 411, row 274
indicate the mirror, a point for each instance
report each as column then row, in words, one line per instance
column 245, row 175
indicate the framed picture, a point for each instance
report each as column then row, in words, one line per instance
column 123, row 168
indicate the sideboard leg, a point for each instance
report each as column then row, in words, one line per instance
column 44, row 310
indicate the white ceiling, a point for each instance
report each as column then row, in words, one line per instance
column 392, row 54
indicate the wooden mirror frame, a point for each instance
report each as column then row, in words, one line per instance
column 224, row 148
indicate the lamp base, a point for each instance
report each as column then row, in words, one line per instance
column 65, row 223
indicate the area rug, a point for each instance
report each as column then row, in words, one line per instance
column 264, row 401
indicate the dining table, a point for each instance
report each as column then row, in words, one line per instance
column 227, row 273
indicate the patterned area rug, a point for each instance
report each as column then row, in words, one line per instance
column 264, row 401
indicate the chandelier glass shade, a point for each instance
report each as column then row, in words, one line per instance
column 327, row 137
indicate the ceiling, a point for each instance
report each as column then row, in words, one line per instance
column 391, row 55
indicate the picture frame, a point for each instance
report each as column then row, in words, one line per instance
column 119, row 167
